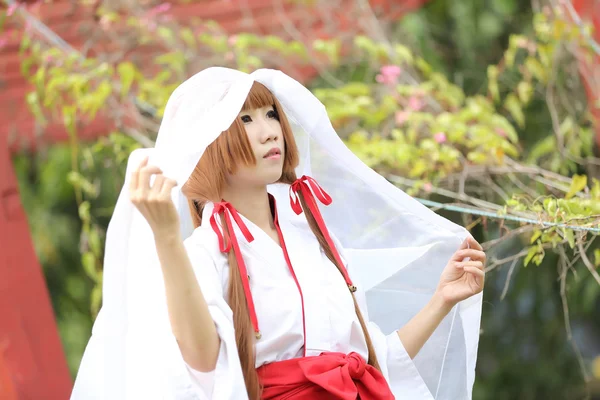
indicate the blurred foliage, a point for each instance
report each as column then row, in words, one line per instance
column 473, row 102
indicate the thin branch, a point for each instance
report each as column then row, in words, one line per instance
column 563, row 291
column 447, row 193
column 514, row 232
column 586, row 260
column 565, row 304
column 520, row 254
column 513, row 178
column 506, row 284
column 503, row 261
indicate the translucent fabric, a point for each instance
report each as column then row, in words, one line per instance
column 394, row 245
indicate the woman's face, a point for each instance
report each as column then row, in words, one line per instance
column 266, row 139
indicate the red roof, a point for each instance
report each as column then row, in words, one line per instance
column 75, row 24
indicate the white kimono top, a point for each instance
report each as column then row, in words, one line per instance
column 322, row 319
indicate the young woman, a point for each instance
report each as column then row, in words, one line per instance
column 262, row 301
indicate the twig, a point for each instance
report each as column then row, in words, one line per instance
column 563, row 291
column 534, row 169
column 517, row 231
column 521, row 185
column 448, row 193
column 506, row 284
column 587, row 261
column 495, row 187
column 503, row 261
column 520, row 254
column 565, row 304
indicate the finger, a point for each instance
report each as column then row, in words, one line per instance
column 464, row 245
column 168, row 185
column 145, row 174
column 472, row 254
column 135, row 174
column 474, row 264
column 473, row 244
column 157, row 185
column 475, row 271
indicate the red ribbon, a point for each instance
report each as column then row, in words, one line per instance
column 328, row 376
column 225, row 244
column 307, row 186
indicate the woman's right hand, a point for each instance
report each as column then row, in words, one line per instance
column 154, row 203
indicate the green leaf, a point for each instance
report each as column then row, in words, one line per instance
column 536, row 68
column 524, row 90
column 166, row 34
column 127, row 72
column 188, row 37
column 96, row 299
column 542, row 148
column 403, row 54
column 568, row 234
column 69, row 115
column 492, row 73
column 88, row 260
column 94, row 242
column 578, row 183
column 530, row 254
column 536, row 235
column 513, row 106
column 595, row 192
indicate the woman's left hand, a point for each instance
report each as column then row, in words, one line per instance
column 464, row 274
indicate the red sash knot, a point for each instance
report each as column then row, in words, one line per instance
column 328, row 376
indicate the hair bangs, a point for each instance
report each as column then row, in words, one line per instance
column 258, row 97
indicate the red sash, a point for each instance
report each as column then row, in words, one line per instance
column 325, row 377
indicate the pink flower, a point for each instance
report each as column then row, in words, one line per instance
column 391, row 70
column 159, row 9
column 11, row 9
column 388, row 74
column 428, row 187
column 3, row 42
column 415, row 103
column 440, row 137
column 401, row 117
column 232, row 40
column 229, row 56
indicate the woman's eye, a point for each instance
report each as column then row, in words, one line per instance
column 246, row 118
column 272, row 114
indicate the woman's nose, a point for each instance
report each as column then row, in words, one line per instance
column 268, row 132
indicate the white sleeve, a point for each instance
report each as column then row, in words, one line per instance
column 226, row 380
column 143, row 360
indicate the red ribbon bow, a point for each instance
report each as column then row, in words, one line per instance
column 328, row 376
column 223, row 207
column 346, row 376
column 225, row 245
column 307, row 186
column 304, row 185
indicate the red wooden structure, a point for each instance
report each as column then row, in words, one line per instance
column 589, row 11
column 32, row 363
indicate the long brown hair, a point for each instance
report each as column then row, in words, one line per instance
column 229, row 151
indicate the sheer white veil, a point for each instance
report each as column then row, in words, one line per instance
column 395, row 246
